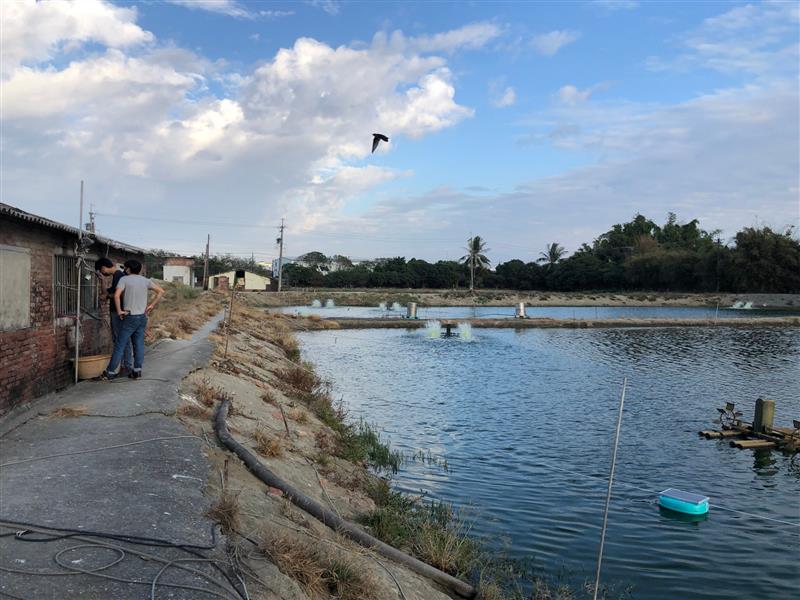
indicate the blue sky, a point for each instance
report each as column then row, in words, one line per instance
column 525, row 123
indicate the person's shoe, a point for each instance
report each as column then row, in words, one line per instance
column 135, row 375
column 106, row 376
column 124, row 371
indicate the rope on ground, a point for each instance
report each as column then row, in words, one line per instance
column 158, row 439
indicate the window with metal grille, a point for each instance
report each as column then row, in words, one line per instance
column 65, row 286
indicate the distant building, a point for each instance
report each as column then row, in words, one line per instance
column 253, row 282
column 178, row 269
column 266, row 265
column 38, row 302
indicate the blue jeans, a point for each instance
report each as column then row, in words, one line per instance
column 116, row 328
column 132, row 330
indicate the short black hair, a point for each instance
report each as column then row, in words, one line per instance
column 102, row 262
column 134, row 265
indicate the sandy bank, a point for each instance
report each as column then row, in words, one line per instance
column 285, row 415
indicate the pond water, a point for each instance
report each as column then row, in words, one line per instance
column 553, row 312
column 525, row 420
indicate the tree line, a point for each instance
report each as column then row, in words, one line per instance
column 637, row 255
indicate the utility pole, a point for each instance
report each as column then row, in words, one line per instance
column 205, row 264
column 79, row 266
column 280, row 258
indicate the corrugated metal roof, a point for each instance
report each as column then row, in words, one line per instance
column 11, row 211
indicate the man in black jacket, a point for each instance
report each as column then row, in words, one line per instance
column 105, row 267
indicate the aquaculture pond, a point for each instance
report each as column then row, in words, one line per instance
column 552, row 312
column 525, row 420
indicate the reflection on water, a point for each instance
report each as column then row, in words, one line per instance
column 552, row 312
column 525, row 420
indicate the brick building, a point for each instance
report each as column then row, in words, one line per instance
column 38, row 298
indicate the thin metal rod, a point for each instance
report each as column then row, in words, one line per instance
column 230, row 316
column 608, row 494
column 79, row 266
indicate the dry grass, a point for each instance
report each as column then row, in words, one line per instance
column 299, row 415
column 68, row 412
column 266, row 445
column 182, row 311
column 269, row 397
column 194, row 411
column 208, row 395
column 321, row 573
column 301, row 378
column 226, row 512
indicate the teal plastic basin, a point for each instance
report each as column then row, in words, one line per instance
column 683, row 502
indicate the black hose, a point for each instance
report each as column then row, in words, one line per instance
column 328, row 517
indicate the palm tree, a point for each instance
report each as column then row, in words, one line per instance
column 552, row 255
column 475, row 257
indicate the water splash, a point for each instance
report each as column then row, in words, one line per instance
column 397, row 306
column 742, row 305
column 316, row 304
column 329, row 303
column 382, row 306
column 465, row 332
column 433, row 329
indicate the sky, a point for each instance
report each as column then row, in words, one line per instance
column 523, row 122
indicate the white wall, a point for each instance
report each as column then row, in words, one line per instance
column 171, row 272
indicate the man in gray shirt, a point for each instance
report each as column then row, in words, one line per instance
column 133, row 310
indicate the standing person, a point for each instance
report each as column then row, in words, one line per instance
column 104, row 266
column 133, row 314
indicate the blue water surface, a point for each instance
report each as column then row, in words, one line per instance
column 525, row 420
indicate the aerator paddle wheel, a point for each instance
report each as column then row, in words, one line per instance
column 729, row 417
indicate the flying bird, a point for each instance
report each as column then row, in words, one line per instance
column 377, row 138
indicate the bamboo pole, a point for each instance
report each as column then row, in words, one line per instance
column 608, row 494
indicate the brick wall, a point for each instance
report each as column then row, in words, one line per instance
column 35, row 360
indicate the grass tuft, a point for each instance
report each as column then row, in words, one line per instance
column 194, row 411
column 226, row 512
column 319, row 573
column 266, row 445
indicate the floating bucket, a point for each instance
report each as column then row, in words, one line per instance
column 683, row 502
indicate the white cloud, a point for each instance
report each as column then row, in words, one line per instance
column 231, row 8
column 617, row 4
column 36, row 31
column 569, row 94
column 145, row 130
column 501, row 97
column 756, row 39
column 547, row 44
column 332, row 7
column 473, row 36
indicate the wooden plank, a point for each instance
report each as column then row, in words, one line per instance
column 753, row 444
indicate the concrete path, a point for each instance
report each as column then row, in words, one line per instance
column 125, row 468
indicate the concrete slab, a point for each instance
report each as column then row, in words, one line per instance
column 125, row 468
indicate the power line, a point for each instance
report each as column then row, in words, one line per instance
column 335, row 236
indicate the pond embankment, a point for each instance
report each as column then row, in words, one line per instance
column 534, row 323
column 372, row 297
column 281, row 412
